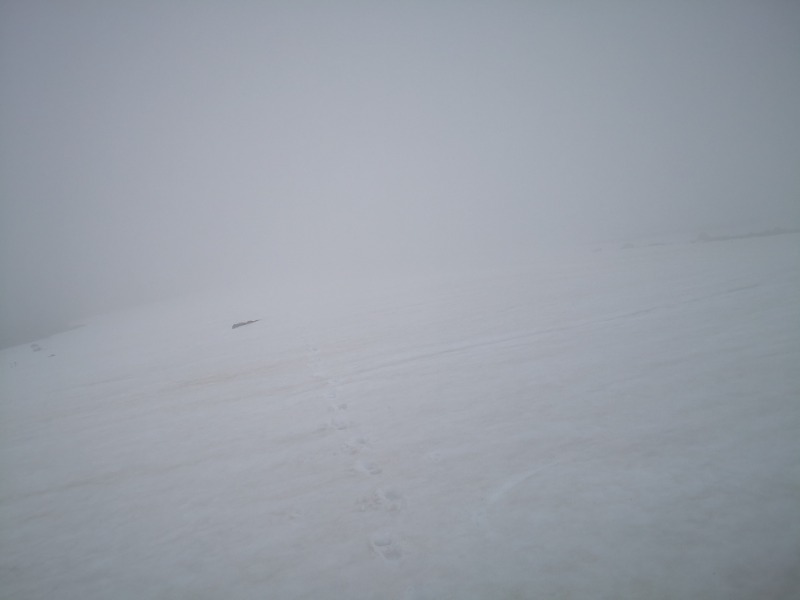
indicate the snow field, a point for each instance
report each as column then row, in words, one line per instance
column 615, row 425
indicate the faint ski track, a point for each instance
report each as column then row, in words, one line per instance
column 510, row 338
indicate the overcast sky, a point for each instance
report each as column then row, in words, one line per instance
column 148, row 148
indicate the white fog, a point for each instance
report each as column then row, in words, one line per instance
column 514, row 285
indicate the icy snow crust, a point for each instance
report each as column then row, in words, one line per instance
column 620, row 425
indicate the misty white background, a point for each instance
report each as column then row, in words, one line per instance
column 155, row 148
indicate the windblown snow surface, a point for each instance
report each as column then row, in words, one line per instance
column 621, row 424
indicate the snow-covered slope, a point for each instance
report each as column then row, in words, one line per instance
column 624, row 424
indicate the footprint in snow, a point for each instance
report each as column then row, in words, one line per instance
column 435, row 457
column 388, row 499
column 339, row 423
column 339, row 418
column 383, row 543
column 356, row 445
column 367, row 467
